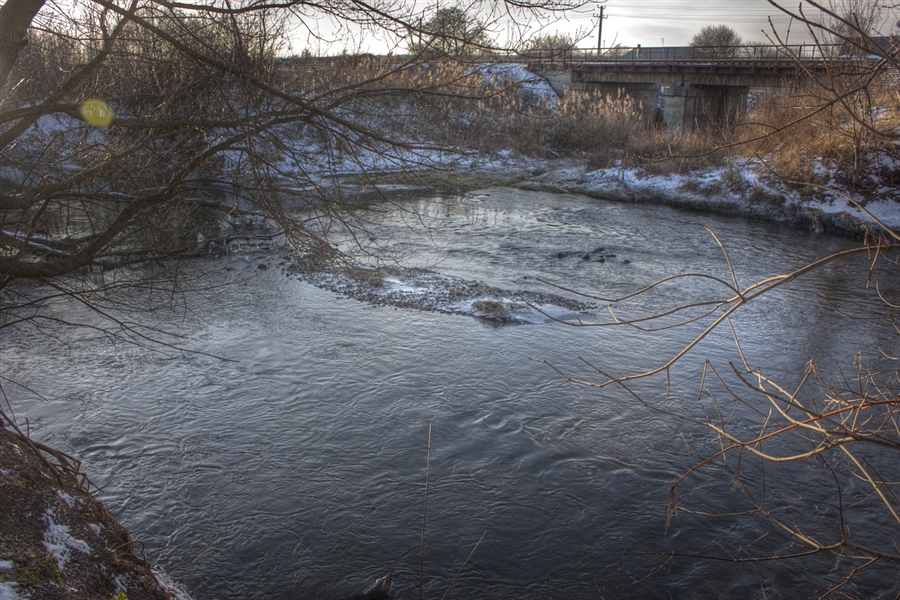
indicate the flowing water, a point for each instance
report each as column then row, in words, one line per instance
column 292, row 462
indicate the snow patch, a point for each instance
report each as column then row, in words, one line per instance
column 69, row 500
column 121, row 587
column 59, row 542
column 534, row 86
column 9, row 591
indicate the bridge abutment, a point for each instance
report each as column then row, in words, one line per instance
column 677, row 107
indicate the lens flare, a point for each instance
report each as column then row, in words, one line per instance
column 96, row 112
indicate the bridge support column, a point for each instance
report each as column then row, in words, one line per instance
column 689, row 108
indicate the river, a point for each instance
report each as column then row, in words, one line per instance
column 289, row 461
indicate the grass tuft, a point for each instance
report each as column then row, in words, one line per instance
column 490, row 307
column 371, row 277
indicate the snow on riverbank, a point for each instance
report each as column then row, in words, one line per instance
column 738, row 189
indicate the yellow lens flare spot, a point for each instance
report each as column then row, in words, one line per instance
column 96, row 112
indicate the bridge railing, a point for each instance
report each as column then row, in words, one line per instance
column 564, row 58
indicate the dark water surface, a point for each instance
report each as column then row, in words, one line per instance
column 296, row 467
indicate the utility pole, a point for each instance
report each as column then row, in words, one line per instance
column 600, row 32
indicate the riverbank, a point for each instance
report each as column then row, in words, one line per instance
column 58, row 542
column 738, row 189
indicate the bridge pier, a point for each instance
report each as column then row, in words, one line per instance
column 692, row 107
column 678, row 107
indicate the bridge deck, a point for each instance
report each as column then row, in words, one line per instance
column 741, row 65
column 737, row 66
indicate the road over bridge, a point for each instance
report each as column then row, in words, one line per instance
column 689, row 86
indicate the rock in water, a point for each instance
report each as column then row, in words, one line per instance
column 381, row 590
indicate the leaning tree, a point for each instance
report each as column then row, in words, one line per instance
column 134, row 133
column 137, row 134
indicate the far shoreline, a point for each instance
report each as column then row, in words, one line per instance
column 699, row 191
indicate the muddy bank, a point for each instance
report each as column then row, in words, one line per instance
column 58, row 542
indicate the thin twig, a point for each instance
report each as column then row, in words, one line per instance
column 464, row 565
column 424, row 512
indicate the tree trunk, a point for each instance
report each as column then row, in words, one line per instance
column 15, row 18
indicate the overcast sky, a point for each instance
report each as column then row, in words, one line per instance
column 674, row 22
column 627, row 22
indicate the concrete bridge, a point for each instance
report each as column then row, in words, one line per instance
column 683, row 88
column 686, row 88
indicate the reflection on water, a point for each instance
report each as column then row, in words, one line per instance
column 295, row 468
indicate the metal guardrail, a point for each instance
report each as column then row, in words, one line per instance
column 692, row 55
column 567, row 58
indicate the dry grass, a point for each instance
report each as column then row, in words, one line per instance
column 461, row 105
column 660, row 152
column 613, row 132
column 808, row 139
column 600, row 128
column 456, row 104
